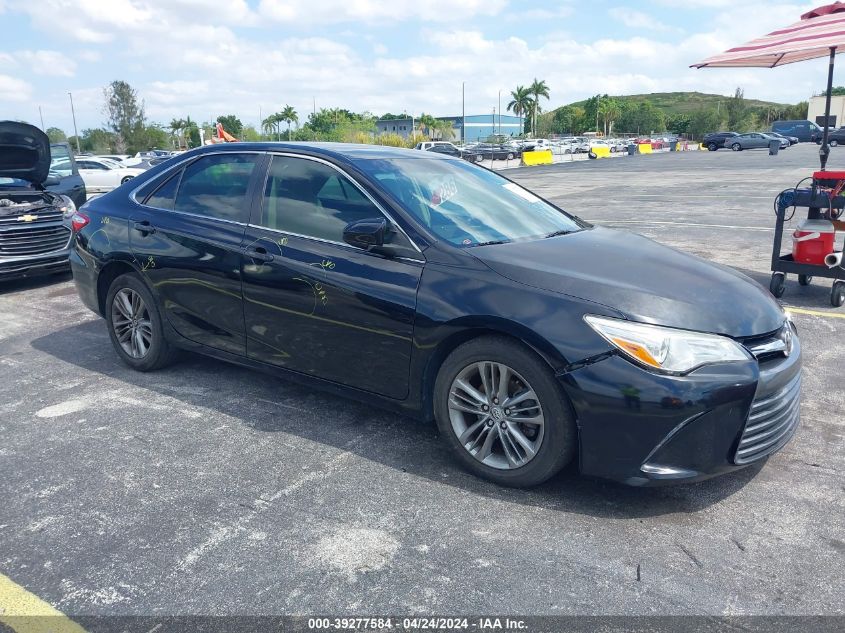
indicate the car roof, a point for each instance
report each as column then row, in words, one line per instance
column 345, row 152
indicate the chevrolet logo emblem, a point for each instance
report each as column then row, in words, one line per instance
column 27, row 218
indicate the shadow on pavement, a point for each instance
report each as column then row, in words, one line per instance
column 399, row 442
column 31, row 283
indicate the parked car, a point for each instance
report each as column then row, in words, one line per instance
column 793, row 140
column 118, row 158
column 716, row 140
column 438, row 288
column 144, row 163
column 101, row 174
column 749, row 140
column 64, row 177
column 836, row 137
column 448, row 149
column 806, row 131
column 35, row 223
column 497, row 152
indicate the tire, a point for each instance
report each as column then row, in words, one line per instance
column 805, row 280
column 837, row 294
column 833, row 142
column 509, row 156
column 712, row 147
column 777, row 285
column 736, row 147
column 126, row 179
column 554, row 441
column 159, row 352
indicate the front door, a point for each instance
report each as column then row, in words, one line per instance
column 316, row 305
column 187, row 239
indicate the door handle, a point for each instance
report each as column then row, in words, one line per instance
column 144, row 227
column 259, row 253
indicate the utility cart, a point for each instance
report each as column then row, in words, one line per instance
column 814, row 253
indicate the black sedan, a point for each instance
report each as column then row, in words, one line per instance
column 438, row 288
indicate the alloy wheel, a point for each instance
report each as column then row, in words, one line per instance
column 131, row 323
column 496, row 415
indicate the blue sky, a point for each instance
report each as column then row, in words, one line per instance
column 208, row 57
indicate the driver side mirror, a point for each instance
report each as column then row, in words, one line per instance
column 365, row 234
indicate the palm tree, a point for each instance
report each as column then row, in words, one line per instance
column 537, row 89
column 270, row 125
column 177, row 126
column 520, row 104
column 288, row 115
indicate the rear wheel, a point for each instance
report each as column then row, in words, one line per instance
column 712, row 147
column 135, row 326
column 833, row 142
column 736, row 147
column 837, row 294
column 126, row 179
column 501, row 411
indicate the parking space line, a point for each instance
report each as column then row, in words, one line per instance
column 670, row 223
column 24, row 612
column 833, row 315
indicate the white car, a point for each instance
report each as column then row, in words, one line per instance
column 101, row 174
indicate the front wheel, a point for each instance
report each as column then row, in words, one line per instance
column 777, row 285
column 501, row 411
column 736, row 147
column 833, row 142
column 135, row 326
column 126, row 179
column 712, row 147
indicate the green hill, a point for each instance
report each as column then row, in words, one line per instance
column 673, row 103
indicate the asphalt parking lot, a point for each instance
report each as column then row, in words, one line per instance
column 210, row 489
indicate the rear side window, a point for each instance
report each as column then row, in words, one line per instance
column 165, row 196
column 216, row 187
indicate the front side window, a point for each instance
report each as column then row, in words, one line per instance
column 216, row 186
column 60, row 164
column 312, row 199
column 466, row 205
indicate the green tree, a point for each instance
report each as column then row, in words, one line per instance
column 702, row 121
column 232, row 124
column 738, row 113
column 56, row 135
column 178, row 128
column 289, row 115
column 678, row 123
column 125, row 116
column 538, row 89
column 97, row 141
column 249, row 133
column 520, row 104
column 641, row 118
column 609, row 110
column 271, row 124
column 155, row 136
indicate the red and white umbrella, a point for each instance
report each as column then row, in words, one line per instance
column 819, row 33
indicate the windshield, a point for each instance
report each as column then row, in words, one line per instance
column 467, row 205
column 60, row 164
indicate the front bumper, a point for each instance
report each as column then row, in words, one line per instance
column 644, row 428
column 17, row 267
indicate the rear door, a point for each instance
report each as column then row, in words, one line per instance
column 187, row 239
column 315, row 304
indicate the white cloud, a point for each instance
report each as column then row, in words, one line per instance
column 14, row 89
column 638, row 20
column 372, row 11
column 49, row 63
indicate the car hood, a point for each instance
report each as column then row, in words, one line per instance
column 24, row 152
column 641, row 279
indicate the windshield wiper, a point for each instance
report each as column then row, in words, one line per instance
column 561, row 232
column 490, row 243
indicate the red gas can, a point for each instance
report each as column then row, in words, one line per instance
column 812, row 240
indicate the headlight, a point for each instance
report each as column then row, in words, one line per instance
column 667, row 349
column 68, row 207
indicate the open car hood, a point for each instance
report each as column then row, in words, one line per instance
column 24, row 152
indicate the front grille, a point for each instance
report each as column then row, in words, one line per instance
column 42, row 233
column 775, row 345
column 771, row 422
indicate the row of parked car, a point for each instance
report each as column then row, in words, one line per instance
column 104, row 172
column 749, row 140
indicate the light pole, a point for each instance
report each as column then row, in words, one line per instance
column 463, row 112
column 75, row 132
column 500, row 111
